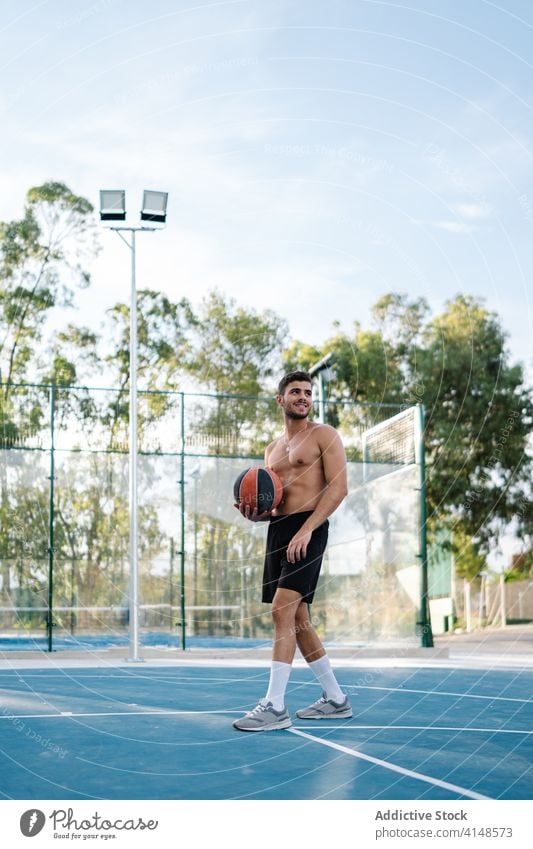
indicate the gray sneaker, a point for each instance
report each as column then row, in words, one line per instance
column 263, row 718
column 325, row 708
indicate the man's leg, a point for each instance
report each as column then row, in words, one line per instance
column 306, row 636
column 335, row 701
column 284, row 606
column 271, row 713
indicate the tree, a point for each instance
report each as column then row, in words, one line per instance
column 469, row 562
column 163, row 345
column 91, row 521
column 41, row 262
column 479, row 410
column 400, row 321
column 235, row 352
column 521, row 567
column 478, row 420
column 366, row 365
column 163, row 354
column 91, row 495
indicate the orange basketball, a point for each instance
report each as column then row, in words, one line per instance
column 260, row 488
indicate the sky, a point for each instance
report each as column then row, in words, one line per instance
column 317, row 154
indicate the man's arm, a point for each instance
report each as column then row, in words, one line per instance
column 336, row 490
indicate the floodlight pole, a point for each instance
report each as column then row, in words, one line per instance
column 133, row 656
column 134, row 554
column 113, row 208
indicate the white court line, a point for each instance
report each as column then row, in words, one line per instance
column 151, row 712
column 436, row 693
column 417, row 728
column 65, row 714
column 393, row 767
column 199, row 680
column 18, row 677
column 469, row 663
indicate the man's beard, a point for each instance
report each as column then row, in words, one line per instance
column 292, row 414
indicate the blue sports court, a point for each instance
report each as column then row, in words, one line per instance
column 163, row 731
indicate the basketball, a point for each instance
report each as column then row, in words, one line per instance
column 260, row 488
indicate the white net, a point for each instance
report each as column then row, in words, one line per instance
column 395, row 440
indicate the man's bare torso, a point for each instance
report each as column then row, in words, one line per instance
column 298, row 463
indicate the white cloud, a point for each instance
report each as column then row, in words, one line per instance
column 473, row 211
column 454, row 226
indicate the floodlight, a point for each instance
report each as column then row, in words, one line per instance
column 154, row 206
column 113, row 205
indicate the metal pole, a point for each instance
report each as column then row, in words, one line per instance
column 134, row 564
column 468, row 607
column 182, row 525
column 195, row 507
column 453, row 580
column 171, row 577
column 425, row 619
column 241, row 629
column 321, row 400
column 50, row 617
column 503, row 612
column 132, row 454
column 318, row 371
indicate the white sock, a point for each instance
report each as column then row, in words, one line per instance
column 324, row 673
column 279, row 677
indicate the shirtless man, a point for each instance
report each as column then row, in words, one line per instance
column 310, row 460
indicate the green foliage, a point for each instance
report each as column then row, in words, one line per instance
column 92, row 530
column 163, row 345
column 236, row 350
column 42, row 258
column 60, row 200
column 24, row 532
column 299, row 356
column 73, row 352
column 366, row 366
column 400, row 320
column 479, row 410
column 163, row 352
column 219, row 544
column 521, row 567
column 478, row 419
column 469, row 561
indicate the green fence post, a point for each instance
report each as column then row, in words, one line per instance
column 50, row 617
column 182, row 526
column 424, row 618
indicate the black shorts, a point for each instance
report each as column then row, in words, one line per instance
column 301, row 576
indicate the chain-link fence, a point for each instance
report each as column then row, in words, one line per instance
column 64, row 561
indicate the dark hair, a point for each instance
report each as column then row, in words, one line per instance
column 291, row 377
